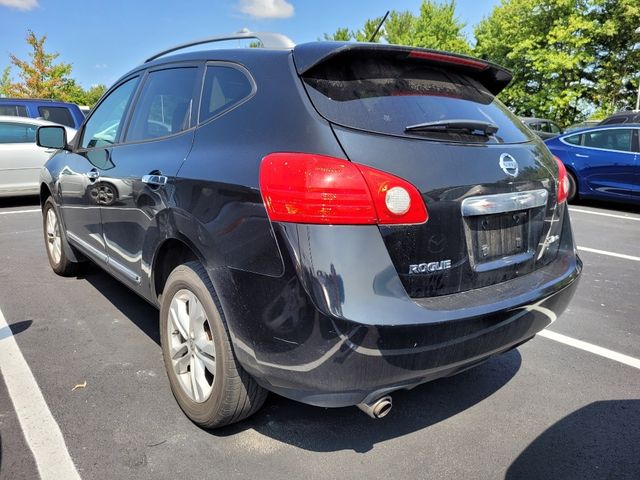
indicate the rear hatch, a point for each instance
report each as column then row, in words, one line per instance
column 490, row 194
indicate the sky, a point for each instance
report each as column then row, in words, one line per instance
column 105, row 39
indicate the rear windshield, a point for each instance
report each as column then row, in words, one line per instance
column 387, row 97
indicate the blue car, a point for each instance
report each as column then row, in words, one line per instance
column 602, row 162
column 63, row 113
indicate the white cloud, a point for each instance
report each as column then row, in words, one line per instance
column 99, row 66
column 24, row 5
column 264, row 8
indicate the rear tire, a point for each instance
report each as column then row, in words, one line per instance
column 572, row 195
column 206, row 379
column 55, row 241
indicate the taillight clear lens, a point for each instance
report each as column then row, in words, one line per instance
column 563, row 181
column 309, row 188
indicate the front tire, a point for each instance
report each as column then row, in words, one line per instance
column 56, row 241
column 205, row 377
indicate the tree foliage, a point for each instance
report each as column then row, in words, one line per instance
column 435, row 26
column 569, row 57
column 42, row 77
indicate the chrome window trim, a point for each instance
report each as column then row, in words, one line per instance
column 617, row 127
column 503, row 202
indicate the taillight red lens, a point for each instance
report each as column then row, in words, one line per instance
column 309, row 188
column 444, row 58
column 563, row 181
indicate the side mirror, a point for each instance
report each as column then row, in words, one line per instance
column 52, row 137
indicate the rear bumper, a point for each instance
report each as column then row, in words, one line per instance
column 339, row 329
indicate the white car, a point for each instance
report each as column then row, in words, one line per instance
column 20, row 158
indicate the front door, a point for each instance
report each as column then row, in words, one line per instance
column 80, row 182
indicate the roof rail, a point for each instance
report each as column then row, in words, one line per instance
column 268, row 39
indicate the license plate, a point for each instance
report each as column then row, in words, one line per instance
column 500, row 235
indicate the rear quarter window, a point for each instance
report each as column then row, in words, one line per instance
column 386, row 97
column 573, row 139
column 224, row 88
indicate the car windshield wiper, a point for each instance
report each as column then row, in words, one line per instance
column 470, row 126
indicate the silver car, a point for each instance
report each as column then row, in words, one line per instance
column 20, row 158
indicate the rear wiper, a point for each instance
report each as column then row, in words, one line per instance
column 469, row 126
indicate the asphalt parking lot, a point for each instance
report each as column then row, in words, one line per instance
column 553, row 408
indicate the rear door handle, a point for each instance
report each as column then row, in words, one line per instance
column 581, row 156
column 158, row 180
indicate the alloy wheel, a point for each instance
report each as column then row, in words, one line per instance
column 191, row 346
column 54, row 242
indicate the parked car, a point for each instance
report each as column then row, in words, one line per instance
column 628, row 116
column 20, row 158
column 542, row 127
column 581, row 125
column 331, row 222
column 602, row 162
column 68, row 114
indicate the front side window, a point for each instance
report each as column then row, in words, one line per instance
column 59, row 115
column 103, row 127
column 223, row 88
column 14, row 110
column 17, row 133
column 165, row 104
column 618, row 139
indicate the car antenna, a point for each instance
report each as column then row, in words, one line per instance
column 373, row 37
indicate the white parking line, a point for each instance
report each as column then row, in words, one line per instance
column 625, row 217
column 611, row 254
column 13, row 212
column 38, row 425
column 591, row 348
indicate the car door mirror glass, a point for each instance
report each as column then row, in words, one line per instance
column 52, row 137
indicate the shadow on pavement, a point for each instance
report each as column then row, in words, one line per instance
column 325, row 430
column 334, row 429
column 133, row 307
column 618, row 206
column 29, row 201
column 601, row 440
column 14, row 328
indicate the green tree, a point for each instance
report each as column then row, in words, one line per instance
column 435, row 26
column 616, row 71
column 5, row 81
column 547, row 46
column 40, row 77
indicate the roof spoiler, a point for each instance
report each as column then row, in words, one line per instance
column 309, row 55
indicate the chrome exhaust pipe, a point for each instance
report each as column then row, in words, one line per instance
column 377, row 409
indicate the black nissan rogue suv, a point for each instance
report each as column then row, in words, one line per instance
column 329, row 221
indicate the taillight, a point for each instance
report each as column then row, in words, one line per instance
column 309, row 188
column 563, row 181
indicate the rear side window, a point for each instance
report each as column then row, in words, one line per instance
column 165, row 104
column 59, row 115
column 14, row 110
column 386, row 96
column 224, row 87
column 615, row 139
column 17, row 133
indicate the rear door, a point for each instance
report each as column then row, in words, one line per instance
column 491, row 198
column 609, row 161
column 138, row 184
